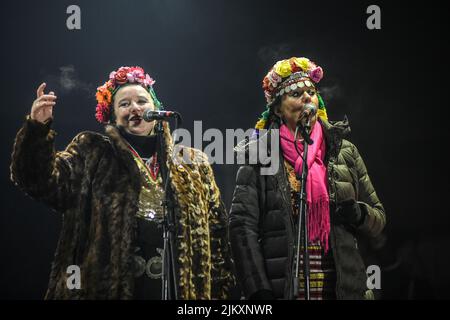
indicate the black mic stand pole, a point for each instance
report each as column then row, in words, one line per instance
column 169, row 282
column 302, row 220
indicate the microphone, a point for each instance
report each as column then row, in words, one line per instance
column 150, row 115
column 309, row 110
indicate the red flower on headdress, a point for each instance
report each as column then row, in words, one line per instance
column 294, row 66
column 266, row 84
column 136, row 75
column 120, row 76
column 137, row 69
column 102, row 112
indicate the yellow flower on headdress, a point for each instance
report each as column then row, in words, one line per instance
column 283, row 68
column 302, row 63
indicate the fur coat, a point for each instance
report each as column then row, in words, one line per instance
column 94, row 184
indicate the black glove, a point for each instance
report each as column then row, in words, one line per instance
column 349, row 212
column 262, row 295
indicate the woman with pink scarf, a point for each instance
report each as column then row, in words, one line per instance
column 342, row 205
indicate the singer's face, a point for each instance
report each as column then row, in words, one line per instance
column 129, row 104
column 292, row 105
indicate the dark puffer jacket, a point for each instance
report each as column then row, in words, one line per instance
column 262, row 225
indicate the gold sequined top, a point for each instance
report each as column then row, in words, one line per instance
column 151, row 195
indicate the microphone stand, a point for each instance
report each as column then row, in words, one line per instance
column 169, row 282
column 302, row 219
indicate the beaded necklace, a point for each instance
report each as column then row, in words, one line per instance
column 150, row 165
column 151, row 193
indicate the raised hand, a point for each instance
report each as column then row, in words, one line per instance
column 42, row 108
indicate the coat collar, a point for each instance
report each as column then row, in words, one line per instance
column 335, row 132
column 114, row 134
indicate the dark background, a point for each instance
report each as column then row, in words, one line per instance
column 208, row 58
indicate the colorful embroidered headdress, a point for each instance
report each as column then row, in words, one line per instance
column 117, row 79
column 287, row 75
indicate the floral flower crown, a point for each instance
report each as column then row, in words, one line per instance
column 123, row 75
column 287, row 75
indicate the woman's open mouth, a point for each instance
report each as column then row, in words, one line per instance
column 135, row 120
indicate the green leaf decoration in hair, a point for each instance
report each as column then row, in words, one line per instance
column 263, row 119
column 322, row 112
column 158, row 104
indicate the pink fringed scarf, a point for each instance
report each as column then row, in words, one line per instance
column 316, row 183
